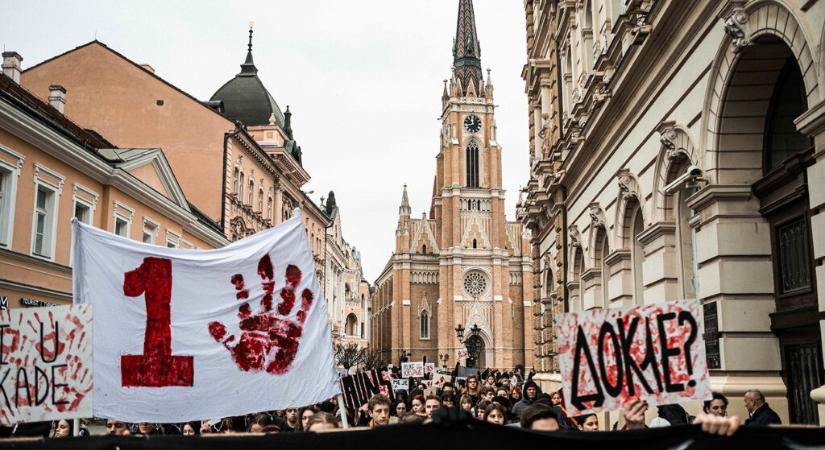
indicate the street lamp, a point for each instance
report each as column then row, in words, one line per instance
column 475, row 330
column 459, row 332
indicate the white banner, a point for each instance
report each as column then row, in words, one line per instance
column 183, row 335
column 45, row 364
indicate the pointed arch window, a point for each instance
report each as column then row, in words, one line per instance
column 425, row 324
column 472, row 165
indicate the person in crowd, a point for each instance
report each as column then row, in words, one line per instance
column 670, row 415
column 418, row 406
column 717, row 406
column 412, row 418
column 431, row 405
column 487, row 393
column 759, row 413
column 495, row 413
column 448, row 400
column 117, row 428
column 588, row 423
column 472, row 388
column 518, row 374
column 491, row 381
column 190, row 429
column 233, row 425
column 531, row 392
column 503, row 391
column 259, row 422
column 466, row 403
column 379, row 410
column 634, row 416
column 480, row 407
column 292, row 419
column 504, row 380
column 147, row 429
column 400, row 410
column 62, row 429
column 515, row 394
column 540, row 417
column 306, row 414
column 448, row 388
column 321, row 422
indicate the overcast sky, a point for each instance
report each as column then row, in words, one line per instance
column 363, row 79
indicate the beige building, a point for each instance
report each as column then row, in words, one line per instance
column 52, row 170
column 683, row 156
column 462, row 263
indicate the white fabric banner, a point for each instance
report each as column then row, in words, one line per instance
column 183, row 335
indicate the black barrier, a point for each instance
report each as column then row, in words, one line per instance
column 477, row 436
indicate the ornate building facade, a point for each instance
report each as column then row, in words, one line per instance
column 461, row 263
column 678, row 151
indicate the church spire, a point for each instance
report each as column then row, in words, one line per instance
column 248, row 66
column 405, row 209
column 466, row 48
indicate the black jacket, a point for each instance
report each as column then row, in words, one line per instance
column 762, row 417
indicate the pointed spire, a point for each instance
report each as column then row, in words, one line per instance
column 466, row 48
column 248, row 66
column 405, row 209
column 288, row 123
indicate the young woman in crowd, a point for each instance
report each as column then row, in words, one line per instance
column 418, row 406
column 588, row 423
column 400, row 410
column 466, row 403
column 190, row 429
column 306, row 414
column 515, row 394
column 495, row 413
column 321, row 422
column 62, row 429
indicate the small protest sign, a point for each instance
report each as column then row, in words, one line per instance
column 462, row 353
column 360, row 387
column 439, row 380
column 399, row 384
column 653, row 352
column 46, row 364
column 429, row 368
column 412, row 370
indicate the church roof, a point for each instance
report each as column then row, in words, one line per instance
column 246, row 99
column 466, row 47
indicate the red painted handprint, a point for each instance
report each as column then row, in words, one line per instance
column 269, row 341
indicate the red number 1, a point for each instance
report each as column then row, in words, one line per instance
column 156, row 367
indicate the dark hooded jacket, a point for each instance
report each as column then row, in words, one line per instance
column 520, row 405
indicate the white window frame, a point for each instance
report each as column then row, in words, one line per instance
column 155, row 230
column 172, row 238
column 90, row 203
column 421, row 325
column 125, row 219
column 52, row 181
column 7, row 229
column 119, row 212
column 186, row 244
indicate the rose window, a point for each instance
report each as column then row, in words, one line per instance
column 475, row 283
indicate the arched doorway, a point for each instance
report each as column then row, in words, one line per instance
column 766, row 92
column 352, row 325
column 477, row 352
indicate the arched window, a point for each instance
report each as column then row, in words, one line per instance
column 638, row 258
column 425, row 324
column 251, row 192
column 269, row 208
column 424, row 249
column 235, row 186
column 475, row 243
column 472, row 165
column 261, row 200
column 602, row 250
column 240, row 188
column 789, row 102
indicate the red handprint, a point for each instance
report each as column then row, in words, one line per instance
column 268, row 342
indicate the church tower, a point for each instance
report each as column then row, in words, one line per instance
column 463, row 263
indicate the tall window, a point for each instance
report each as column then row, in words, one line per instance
column 82, row 212
column 121, row 226
column 240, row 188
column 150, row 232
column 251, row 193
column 425, row 324
column 261, row 200
column 7, row 179
column 44, row 216
column 269, row 208
column 235, row 181
column 638, row 258
column 472, row 165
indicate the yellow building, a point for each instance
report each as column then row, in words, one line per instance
column 461, row 263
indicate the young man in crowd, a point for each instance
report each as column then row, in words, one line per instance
column 717, row 406
column 540, row 417
column 117, row 428
column 487, row 393
column 530, row 394
column 431, row 405
column 379, row 410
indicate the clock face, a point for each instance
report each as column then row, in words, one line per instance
column 472, row 124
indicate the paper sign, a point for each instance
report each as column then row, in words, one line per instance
column 463, row 353
column 360, row 387
column 45, row 364
column 400, row 384
column 412, row 370
column 654, row 352
column 439, row 380
column 429, row 368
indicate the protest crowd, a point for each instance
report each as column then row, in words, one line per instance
column 506, row 398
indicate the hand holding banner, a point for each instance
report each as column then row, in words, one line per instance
column 654, row 352
column 46, row 360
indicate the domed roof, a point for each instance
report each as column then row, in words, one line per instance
column 245, row 98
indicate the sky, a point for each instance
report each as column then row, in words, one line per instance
column 363, row 79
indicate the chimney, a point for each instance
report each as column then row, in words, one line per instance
column 12, row 65
column 57, row 97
